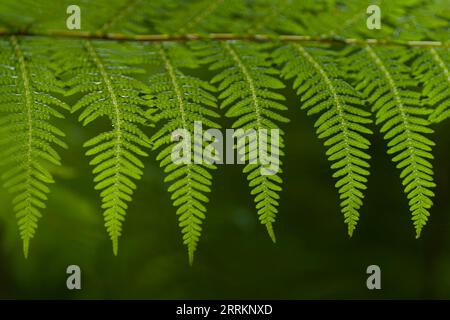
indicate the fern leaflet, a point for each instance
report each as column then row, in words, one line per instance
column 176, row 101
column 431, row 67
column 342, row 121
column 27, row 101
column 386, row 82
column 102, row 74
column 246, row 82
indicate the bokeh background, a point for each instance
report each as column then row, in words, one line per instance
column 312, row 259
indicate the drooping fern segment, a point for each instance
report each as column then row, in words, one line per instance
column 386, row 81
column 176, row 102
column 432, row 68
column 28, row 138
column 247, row 84
column 343, row 122
column 102, row 73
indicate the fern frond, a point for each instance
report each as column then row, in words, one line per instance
column 247, row 85
column 41, row 15
column 201, row 16
column 28, row 137
column 386, row 81
column 35, row 68
column 432, row 68
column 343, row 122
column 103, row 73
column 341, row 18
column 422, row 20
column 21, row 15
column 136, row 16
column 176, row 102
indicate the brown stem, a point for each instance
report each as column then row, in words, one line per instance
column 223, row 37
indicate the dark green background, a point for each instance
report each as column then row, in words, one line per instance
column 313, row 258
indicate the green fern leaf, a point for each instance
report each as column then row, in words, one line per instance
column 101, row 71
column 177, row 101
column 431, row 67
column 342, row 122
column 247, row 84
column 385, row 80
column 28, row 138
column 407, row 88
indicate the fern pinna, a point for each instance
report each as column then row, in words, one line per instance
column 385, row 79
column 102, row 73
column 246, row 85
column 28, row 137
column 343, row 119
column 178, row 101
column 431, row 67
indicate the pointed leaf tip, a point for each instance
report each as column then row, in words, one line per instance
column 26, row 247
column 271, row 232
column 191, row 258
column 115, row 244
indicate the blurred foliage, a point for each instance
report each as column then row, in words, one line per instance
column 313, row 257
